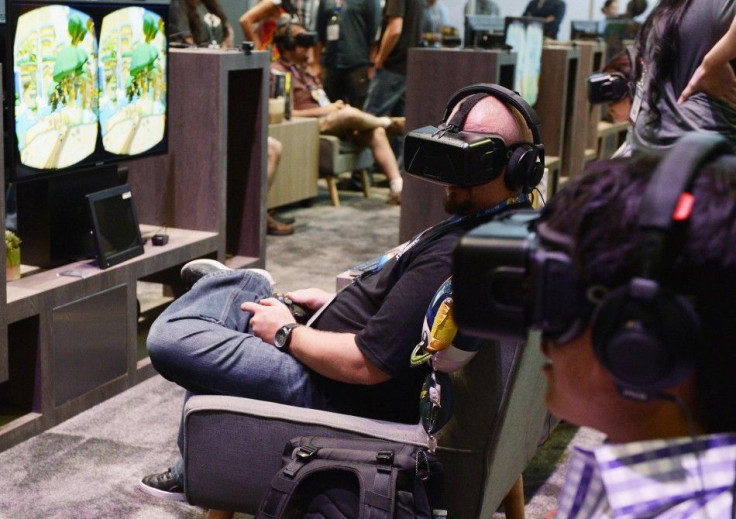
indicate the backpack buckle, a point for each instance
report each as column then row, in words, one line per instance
column 384, row 460
column 306, row 452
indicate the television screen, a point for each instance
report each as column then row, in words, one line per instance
column 585, row 30
column 89, row 84
column 525, row 36
column 479, row 25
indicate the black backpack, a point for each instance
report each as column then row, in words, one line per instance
column 345, row 478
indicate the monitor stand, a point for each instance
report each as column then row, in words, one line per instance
column 53, row 218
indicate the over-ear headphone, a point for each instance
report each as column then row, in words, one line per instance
column 449, row 155
column 644, row 334
column 525, row 165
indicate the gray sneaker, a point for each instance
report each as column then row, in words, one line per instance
column 196, row 269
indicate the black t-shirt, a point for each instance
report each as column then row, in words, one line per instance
column 412, row 12
column 386, row 310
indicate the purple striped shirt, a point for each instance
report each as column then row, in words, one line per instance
column 666, row 479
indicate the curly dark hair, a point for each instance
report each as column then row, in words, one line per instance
column 600, row 210
column 212, row 6
column 657, row 43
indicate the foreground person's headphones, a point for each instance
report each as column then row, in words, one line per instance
column 644, row 334
column 507, row 278
column 449, row 155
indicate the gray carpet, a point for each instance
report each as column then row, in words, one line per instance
column 88, row 466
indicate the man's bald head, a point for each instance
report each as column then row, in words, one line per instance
column 491, row 115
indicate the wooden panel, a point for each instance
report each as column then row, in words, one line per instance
column 295, row 177
column 433, row 75
column 213, row 178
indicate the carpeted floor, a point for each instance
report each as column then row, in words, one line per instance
column 88, row 467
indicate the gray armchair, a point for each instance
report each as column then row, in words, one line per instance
column 233, row 446
column 337, row 156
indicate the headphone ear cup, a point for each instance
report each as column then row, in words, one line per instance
column 647, row 345
column 521, row 170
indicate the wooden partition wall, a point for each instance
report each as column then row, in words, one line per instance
column 433, row 75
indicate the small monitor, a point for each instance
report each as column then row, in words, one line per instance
column 117, row 235
column 585, row 30
column 478, row 26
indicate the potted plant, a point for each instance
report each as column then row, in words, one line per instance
column 12, row 256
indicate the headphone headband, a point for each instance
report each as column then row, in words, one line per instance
column 509, row 97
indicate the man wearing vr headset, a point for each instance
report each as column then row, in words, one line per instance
column 228, row 336
column 629, row 273
column 335, row 118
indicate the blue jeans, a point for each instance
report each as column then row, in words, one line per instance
column 202, row 343
column 386, row 94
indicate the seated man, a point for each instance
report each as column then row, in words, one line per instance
column 649, row 356
column 228, row 336
column 335, row 118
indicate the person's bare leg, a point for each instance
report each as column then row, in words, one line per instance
column 273, row 156
column 384, row 156
column 351, row 119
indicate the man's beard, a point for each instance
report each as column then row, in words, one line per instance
column 457, row 207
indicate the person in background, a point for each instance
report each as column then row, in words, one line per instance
column 336, row 118
column 436, row 16
column 620, row 108
column 670, row 450
column 200, row 23
column 488, row 7
column 715, row 75
column 634, row 8
column 610, row 9
column 220, row 337
column 274, row 225
column 259, row 22
column 672, row 43
column 347, row 33
column 553, row 11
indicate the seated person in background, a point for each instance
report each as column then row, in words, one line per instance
column 274, row 225
column 650, row 358
column 435, row 17
column 335, row 118
column 620, row 108
column 200, row 22
column 228, row 336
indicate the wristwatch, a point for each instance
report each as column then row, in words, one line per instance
column 283, row 336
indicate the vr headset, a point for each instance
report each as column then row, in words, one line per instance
column 451, row 156
column 306, row 39
column 607, row 88
column 506, row 281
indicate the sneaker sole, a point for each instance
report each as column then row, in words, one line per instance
column 161, row 494
column 206, row 261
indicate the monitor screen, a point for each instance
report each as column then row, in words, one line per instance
column 585, row 30
column 478, row 25
column 115, row 229
column 525, row 36
column 89, row 84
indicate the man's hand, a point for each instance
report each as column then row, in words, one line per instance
column 718, row 82
column 268, row 316
column 310, row 298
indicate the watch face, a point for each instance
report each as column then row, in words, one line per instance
column 282, row 334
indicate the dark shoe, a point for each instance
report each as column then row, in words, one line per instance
column 280, row 218
column 275, row 228
column 394, row 198
column 196, row 269
column 164, row 486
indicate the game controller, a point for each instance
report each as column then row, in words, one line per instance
column 301, row 314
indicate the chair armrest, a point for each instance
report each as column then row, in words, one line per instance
column 233, row 446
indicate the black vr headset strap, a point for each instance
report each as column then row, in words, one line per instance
column 458, row 120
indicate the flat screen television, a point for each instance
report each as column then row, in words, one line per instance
column 478, row 26
column 86, row 84
column 585, row 30
column 86, row 89
column 525, row 36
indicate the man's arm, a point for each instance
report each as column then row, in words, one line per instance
column 389, row 39
column 332, row 355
